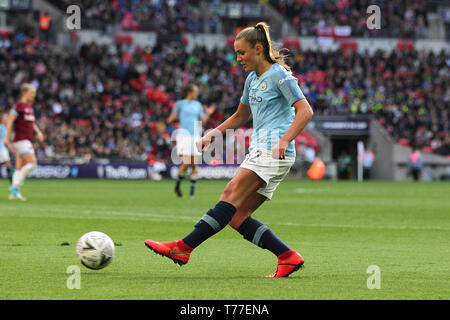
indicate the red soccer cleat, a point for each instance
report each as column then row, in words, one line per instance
column 177, row 250
column 288, row 263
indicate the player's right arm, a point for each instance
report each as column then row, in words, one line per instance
column 239, row 118
column 172, row 118
column 174, row 115
column 9, row 125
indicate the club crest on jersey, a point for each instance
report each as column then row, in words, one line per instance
column 263, row 86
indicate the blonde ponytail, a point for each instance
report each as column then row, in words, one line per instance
column 260, row 34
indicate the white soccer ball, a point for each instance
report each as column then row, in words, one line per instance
column 95, row 250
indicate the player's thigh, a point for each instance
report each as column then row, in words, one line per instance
column 28, row 158
column 246, row 209
column 24, row 153
column 186, row 159
column 195, row 160
column 19, row 163
column 244, row 184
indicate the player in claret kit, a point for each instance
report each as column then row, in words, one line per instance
column 21, row 121
column 280, row 112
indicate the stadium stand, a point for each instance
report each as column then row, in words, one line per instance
column 405, row 18
column 118, row 99
column 111, row 101
column 173, row 17
column 400, row 19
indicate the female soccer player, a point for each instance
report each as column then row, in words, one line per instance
column 190, row 113
column 21, row 117
column 280, row 112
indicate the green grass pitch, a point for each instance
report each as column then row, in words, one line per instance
column 341, row 228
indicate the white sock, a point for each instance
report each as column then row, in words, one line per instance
column 16, row 179
column 23, row 174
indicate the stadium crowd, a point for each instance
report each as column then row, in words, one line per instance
column 106, row 102
column 112, row 101
column 407, row 91
column 399, row 18
column 168, row 17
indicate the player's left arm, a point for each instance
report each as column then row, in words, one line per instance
column 39, row 134
column 303, row 114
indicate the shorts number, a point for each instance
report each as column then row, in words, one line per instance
column 253, row 158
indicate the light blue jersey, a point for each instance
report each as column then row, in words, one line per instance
column 2, row 136
column 270, row 98
column 189, row 113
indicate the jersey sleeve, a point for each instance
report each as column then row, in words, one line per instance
column 245, row 93
column 200, row 111
column 289, row 88
column 176, row 108
column 16, row 109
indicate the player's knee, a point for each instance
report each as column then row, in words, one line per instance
column 29, row 167
column 229, row 191
column 182, row 169
column 32, row 165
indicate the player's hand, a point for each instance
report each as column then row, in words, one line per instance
column 203, row 143
column 40, row 137
column 9, row 145
column 210, row 110
column 279, row 150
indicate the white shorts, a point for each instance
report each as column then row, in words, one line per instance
column 4, row 155
column 186, row 146
column 23, row 147
column 271, row 170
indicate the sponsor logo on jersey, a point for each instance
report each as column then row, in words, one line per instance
column 281, row 81
column 255, row 99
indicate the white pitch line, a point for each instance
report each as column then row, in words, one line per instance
column 352, row 226
column 99, row 214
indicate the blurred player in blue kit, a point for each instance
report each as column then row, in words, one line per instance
column 5, row 159
column 189, row 112
column 280, row 112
